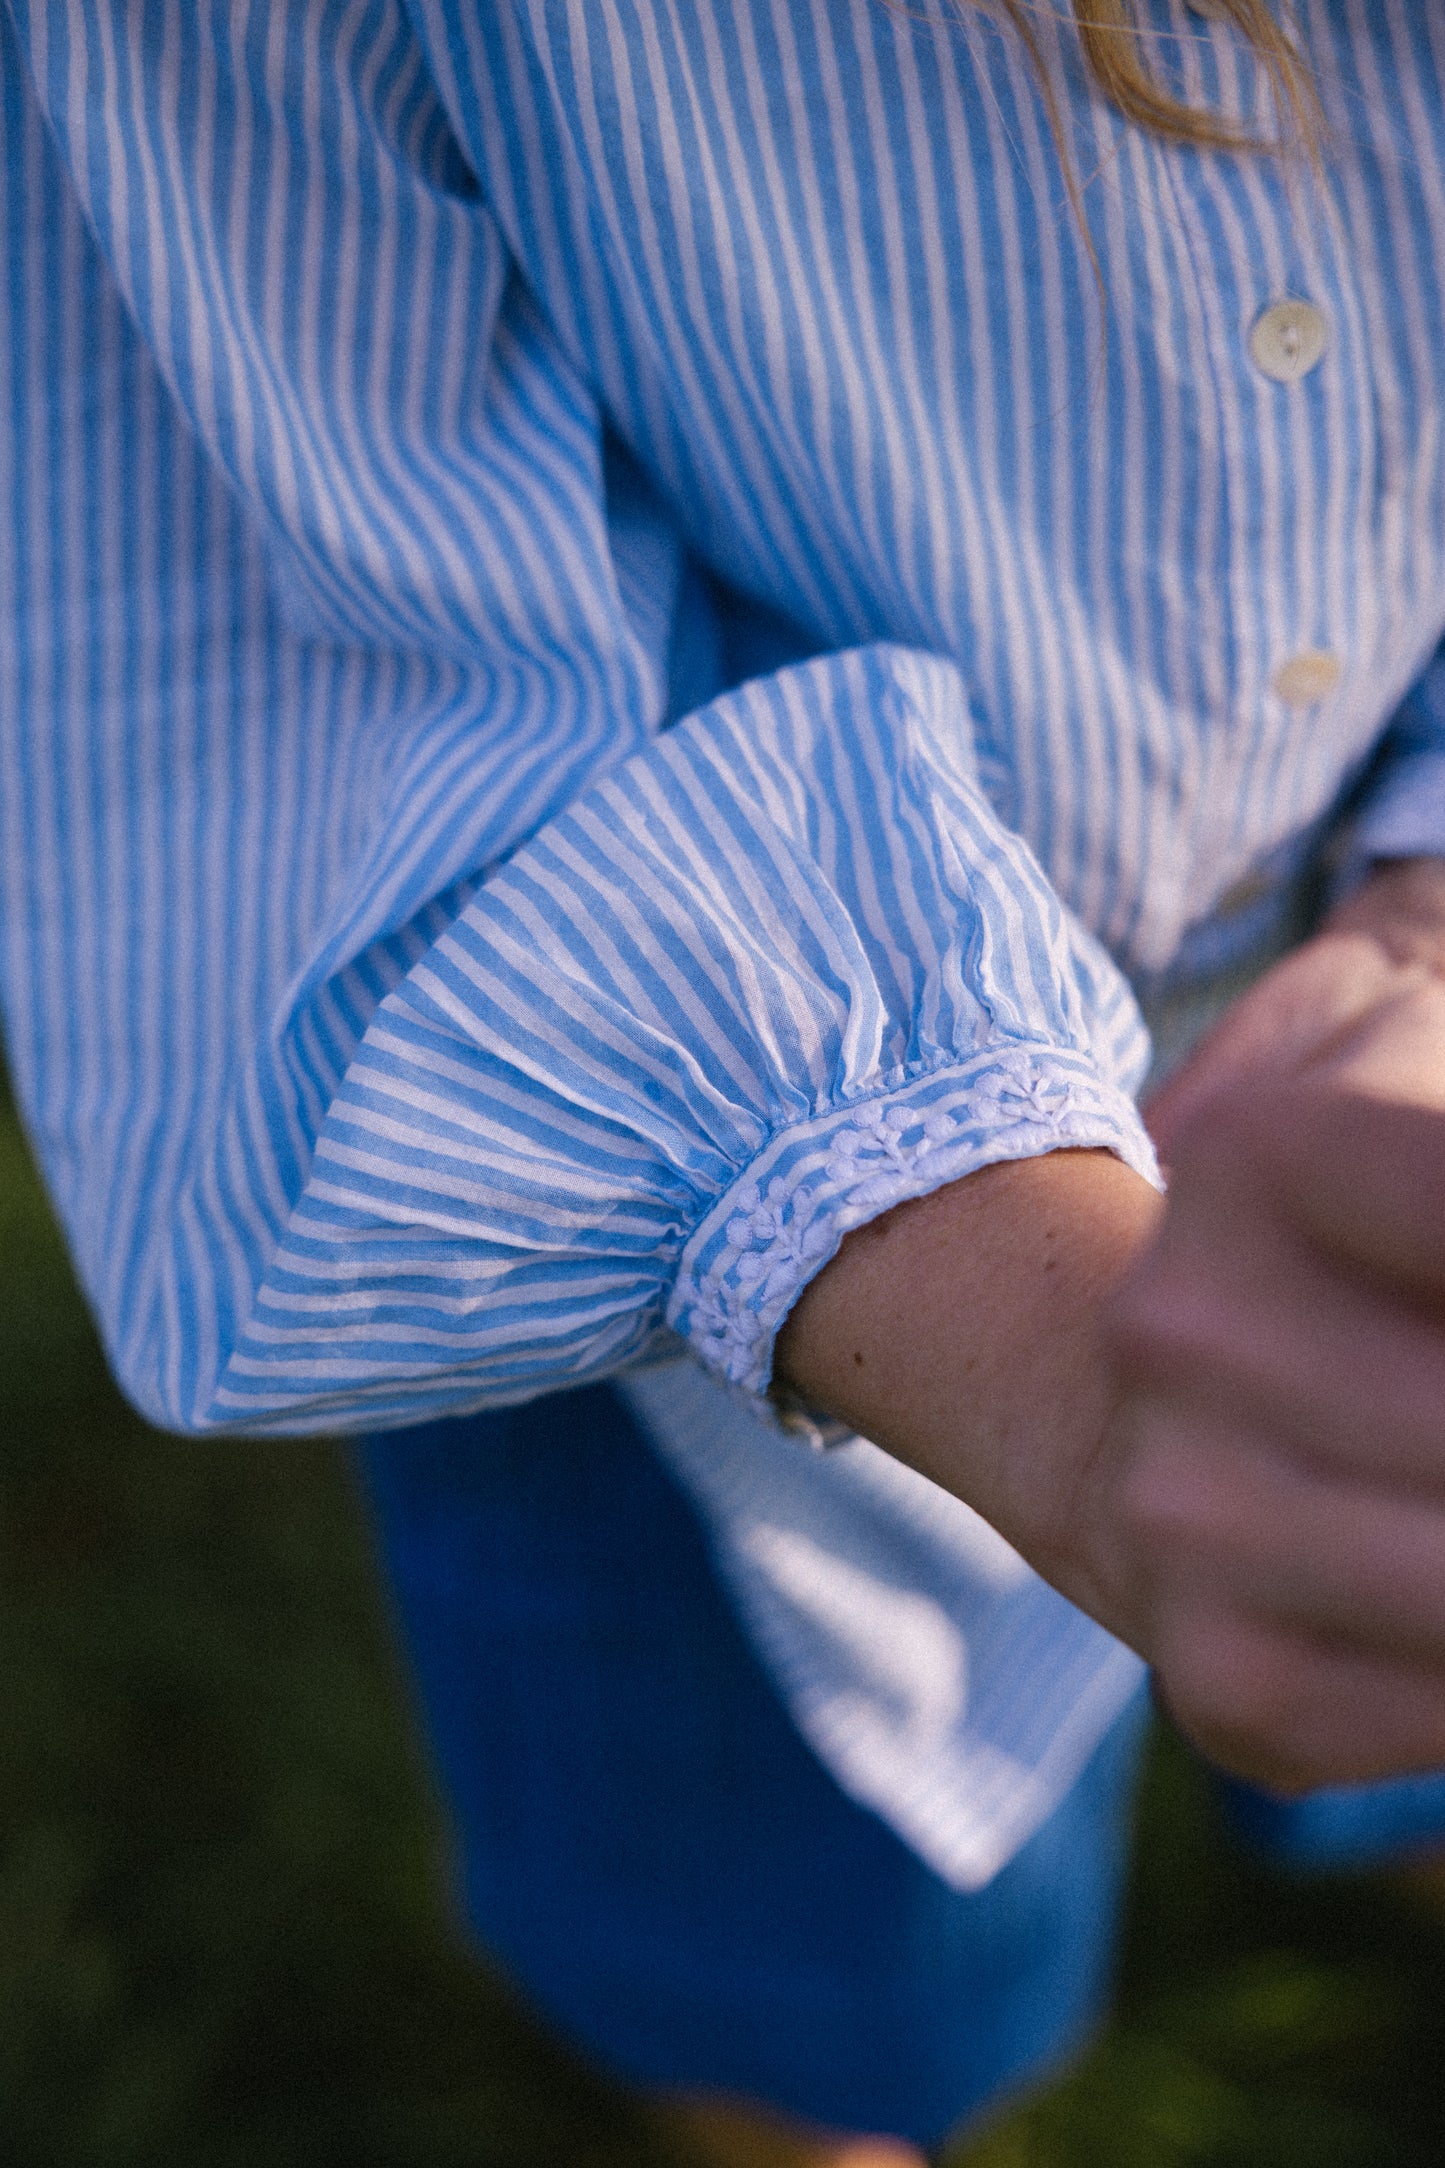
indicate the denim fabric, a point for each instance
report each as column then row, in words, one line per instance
column 645, row 1842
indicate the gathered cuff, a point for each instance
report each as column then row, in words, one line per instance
column 774, row 1229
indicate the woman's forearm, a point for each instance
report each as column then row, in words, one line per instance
column 962, row 1333
column 1215, row 1427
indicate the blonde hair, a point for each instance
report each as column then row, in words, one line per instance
column 1116, row 47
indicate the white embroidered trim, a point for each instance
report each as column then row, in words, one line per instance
column 778, row 1230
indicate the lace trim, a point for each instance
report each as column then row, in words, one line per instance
column 769, row 1236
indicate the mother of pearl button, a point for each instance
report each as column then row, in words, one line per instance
column 1307, row 677
column 1288, row 339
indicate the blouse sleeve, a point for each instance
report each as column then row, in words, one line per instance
column 406, row 1019
column 780, row 971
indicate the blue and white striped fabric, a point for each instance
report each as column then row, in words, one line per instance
column 410, row 411
column 943, row 1683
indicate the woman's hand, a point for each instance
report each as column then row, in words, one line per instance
column 1280, row 1453
column 1219, row 1428
column 1362, row 1006
column 1281, row 1443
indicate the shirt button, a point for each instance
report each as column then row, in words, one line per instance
column 1288, row 339
column 1307, row 677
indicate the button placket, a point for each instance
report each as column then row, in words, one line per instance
column 1286, row 341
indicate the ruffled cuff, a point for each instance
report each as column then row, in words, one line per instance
column 766, row 1237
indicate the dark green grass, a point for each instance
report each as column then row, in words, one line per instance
column 223, row 1929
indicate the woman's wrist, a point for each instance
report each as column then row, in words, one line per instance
column 960, row 1331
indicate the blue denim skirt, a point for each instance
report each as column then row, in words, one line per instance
column 645, row 1843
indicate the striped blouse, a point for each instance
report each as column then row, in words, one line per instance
column 614, row 656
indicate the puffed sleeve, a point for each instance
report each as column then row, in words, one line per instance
column 407, row 1019
column 780, row 971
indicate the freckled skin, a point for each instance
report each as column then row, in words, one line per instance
column 1218, row 1427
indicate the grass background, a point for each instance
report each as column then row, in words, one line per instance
column 223, row 1937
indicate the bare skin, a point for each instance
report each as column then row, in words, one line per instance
column 1205, row 1425
column 963, row 1333
column 1283, row 1351
column 1218, row 1427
